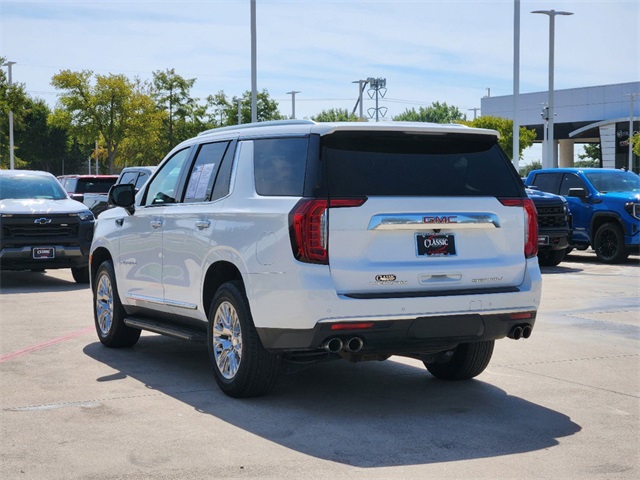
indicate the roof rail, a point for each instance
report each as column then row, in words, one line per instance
column 270, row 123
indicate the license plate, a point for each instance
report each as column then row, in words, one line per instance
column 543, row 240
column 436, row 245
column 44, row 252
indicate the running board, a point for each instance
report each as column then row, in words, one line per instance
column 168, row 329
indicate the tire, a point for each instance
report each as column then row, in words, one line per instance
column 241, row 365
column 108, row 312
column 468, row 360
column 80, row 274
column 608, row 243
column 551, row 258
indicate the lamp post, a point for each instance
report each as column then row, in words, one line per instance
column 549, row 160
column 254, row 67
column 293, row 103
column 11, row 160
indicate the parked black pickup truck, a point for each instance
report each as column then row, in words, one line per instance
column 554, row 226
column 137, row 176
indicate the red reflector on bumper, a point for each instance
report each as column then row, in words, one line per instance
column 521, row 316
column 351, row 326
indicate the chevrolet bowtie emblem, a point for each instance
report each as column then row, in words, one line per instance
column 42, row 221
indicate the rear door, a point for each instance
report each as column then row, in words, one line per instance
column 433, row 219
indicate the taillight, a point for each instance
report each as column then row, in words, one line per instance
column 309, row 230
column 530, row 223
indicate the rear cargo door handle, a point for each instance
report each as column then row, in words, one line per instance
column 430, row 221
column 202, row 224
column 157, row 223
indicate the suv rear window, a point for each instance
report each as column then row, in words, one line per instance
column 407, row 164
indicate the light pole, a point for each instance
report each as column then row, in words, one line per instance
column 11, row 160
column 293, row 103
column 361, row 85
column 254, row 74
column 549, row 160
column 516, row 85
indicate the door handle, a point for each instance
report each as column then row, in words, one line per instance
column 202, row 224
column 156, row 223
column 119, row 221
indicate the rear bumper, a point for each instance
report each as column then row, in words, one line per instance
column 419, row 335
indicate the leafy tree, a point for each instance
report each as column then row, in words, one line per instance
column 592, row 151
column 336, row 115
column 12, row 99
column 41, row 146
column 504, row 126
column 184, row 116
column 636, row 144
column 267, row 109
column 587, row 164
column 524, row 171
column 436, row 113
column 218, row 108
column 109, row 109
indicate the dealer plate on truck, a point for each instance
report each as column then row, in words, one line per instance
column 44, row 252
column 436, row 245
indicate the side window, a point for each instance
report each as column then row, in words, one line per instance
column 129, row 177
column 143, row 177
column 279, row 165
column 570, row 180
column 221, row 187
column 204, row 171
column 548, row 182
column 164, row 187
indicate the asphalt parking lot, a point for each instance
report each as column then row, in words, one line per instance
column 563, row 404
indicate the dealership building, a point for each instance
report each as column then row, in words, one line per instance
column 598, row 114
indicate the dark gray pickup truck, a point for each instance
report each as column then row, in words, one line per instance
column 137, row 176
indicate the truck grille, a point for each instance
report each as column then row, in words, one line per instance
column 549, row 217
column 31, row 226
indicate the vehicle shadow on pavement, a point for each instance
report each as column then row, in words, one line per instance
column 28, row 282
column 371, row 414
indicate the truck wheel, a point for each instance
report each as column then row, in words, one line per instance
column 80, row 274
column 108, row 312
column 467, row 361
column 609, row 243
column 241, row 365
column 551, row 258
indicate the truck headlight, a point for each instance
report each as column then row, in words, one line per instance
column 633, row 209
column 86, row 215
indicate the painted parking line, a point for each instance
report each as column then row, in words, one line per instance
column 48, row 343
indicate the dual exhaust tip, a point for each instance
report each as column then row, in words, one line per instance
column 335, row 345
column 520, row 331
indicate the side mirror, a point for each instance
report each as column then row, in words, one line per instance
column 580, row 193
column 123, row 195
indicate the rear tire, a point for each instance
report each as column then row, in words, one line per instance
column 608, row 243
column 241, row 365
column 551, row 258
column 467, row 361
column 80, row 274
column 108, row 312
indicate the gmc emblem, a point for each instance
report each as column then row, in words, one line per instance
column 444, row 219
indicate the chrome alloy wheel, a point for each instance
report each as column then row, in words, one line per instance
column 104, row 304
column 227, row 340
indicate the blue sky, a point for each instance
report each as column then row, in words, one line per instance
column 447, row 51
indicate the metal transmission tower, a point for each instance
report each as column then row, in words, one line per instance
column 378, row 89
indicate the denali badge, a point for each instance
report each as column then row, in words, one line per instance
column 385, row 278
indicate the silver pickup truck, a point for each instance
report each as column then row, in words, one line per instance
column 137, row 176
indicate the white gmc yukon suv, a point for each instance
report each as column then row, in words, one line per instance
column 287, row 243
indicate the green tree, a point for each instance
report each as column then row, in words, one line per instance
column 12, row 99
column 172, row 93
column 336, row 115
column 504, row 127
column 592, row 152
column 436, row 113
column 266, row 106
column 524, row 171
column 108, row 110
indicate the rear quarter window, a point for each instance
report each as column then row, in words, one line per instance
column 279, row 165
column 399, row 164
